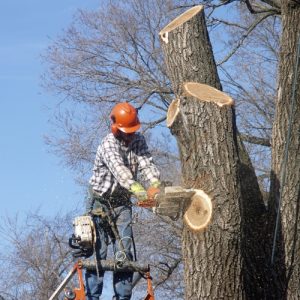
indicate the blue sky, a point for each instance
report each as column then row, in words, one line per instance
column 30, row 176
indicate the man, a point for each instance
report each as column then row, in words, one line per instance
column 121, row 156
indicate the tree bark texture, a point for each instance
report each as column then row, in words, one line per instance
column 209, row 162
column 188, row 52
column 228, row 261
column 207, row 142
column 287, row 250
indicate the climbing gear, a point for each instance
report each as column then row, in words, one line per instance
column 139, row 192
column 124, row 118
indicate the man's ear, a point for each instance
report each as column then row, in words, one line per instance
column 113, row 127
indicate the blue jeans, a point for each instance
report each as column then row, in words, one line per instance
column 122, row 281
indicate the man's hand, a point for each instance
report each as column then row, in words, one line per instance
column 155, row 184
column 139, row 192
column 152, row 192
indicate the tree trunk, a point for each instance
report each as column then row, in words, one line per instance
column 206, row 138
column 286, row 168
column 228, row 261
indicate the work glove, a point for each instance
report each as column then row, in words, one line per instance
column 155, row 184
column 152, row 192
column 139, row 192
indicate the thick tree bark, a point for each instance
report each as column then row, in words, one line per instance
column 287, row 250
column 224, row 262
column 208, row 149
column 188, row 51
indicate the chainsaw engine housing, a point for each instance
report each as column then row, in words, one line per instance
column 83, row 231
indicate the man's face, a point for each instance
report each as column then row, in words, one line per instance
column 126, row 137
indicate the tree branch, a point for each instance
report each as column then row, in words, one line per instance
column 273, row 3
column 228, row 23
column 296, row 2
column 168, row 270
column 255, row 140
column 154, row 123
column 258, row 9
column 241, row 41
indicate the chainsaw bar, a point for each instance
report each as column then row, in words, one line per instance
column 174, row 201
column 169, row 202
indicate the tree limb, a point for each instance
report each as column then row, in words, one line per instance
column 228, row 23
column 168, row 270
column 296, row 2
column 258, row 9
column 273, row 3
column 255, row 140
column 154, row 123
column 241, row 41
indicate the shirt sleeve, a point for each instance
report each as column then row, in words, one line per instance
column 146, row 165
column 114, row 161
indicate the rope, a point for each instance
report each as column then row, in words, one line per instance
column 286, row 151
column 94, row 247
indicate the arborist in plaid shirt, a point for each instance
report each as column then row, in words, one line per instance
column 121, row 157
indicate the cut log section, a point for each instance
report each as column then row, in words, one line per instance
column 112, row 265
column 206, row 93
column 199, row 212
column 193, row 204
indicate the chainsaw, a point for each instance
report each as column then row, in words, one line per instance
column 84, row 236
column 193, row 205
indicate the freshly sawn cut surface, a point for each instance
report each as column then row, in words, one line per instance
column 178, row 21
column 198, row 214
column 207, row 93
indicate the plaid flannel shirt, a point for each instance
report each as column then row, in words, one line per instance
column 116, row 166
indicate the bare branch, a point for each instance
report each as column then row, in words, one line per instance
column 150, row 125
column 273, row 3
column 255, row 8
column 256, row 140
column 244, row 36
column 228, row 23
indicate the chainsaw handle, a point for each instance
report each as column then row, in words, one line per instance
column 152, row 192
column 73, row 242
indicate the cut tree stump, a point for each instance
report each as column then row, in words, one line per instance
column 201, row 92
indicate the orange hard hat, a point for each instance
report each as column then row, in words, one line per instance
column 125, row 118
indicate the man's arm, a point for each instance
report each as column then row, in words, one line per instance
column 145, row 161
